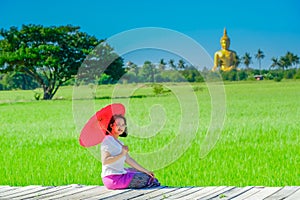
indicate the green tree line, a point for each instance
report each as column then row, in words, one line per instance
column 35, row 56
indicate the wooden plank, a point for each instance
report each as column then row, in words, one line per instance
column 134, row 193
column 58, row 190
column 294, row 196
column 98, row 190
column 70, row 193
column 248, row 193
column 49, row 191
column 216, row 193
column 27, row 190
column 108, row 195
column 32, row 192
column 234, row 192
column 203, row 191
column 186, row 193
column 172, row 193
column 158, row 193
column 17, row 190
column 283, row 193
column 6, row 188
column 9, row 190
column 265, row 192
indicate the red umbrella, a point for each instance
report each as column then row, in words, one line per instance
column 94, row 130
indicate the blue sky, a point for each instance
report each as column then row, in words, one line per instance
column 272, row 26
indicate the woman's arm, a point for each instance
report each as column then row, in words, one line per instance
column 130, row 161
column 108, row 159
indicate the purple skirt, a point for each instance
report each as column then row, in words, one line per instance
column 132, row 179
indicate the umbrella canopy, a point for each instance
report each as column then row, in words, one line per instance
column 94, row 130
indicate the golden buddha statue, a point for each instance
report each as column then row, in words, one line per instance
column 225, row 58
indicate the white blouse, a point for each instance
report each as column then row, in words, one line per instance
column 110, row 145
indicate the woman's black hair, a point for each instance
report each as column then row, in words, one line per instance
column 112, row 120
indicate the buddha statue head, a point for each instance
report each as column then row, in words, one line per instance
column 225, row 41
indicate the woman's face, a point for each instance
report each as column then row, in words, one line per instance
column 118, row 127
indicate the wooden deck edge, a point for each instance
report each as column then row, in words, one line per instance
column 77, row 191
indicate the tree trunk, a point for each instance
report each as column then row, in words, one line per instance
column 47, row 93
column 259, row 67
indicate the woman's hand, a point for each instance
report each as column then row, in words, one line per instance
column 150, row 173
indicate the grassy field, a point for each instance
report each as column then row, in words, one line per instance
column 259, row 144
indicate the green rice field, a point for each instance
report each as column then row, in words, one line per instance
column 258, row 145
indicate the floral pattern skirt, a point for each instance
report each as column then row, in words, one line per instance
column 133, row 179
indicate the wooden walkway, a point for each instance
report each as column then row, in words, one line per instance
column 100, row 192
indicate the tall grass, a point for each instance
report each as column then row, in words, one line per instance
column 259, row 144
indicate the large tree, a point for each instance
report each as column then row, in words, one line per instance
column 50, row 55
